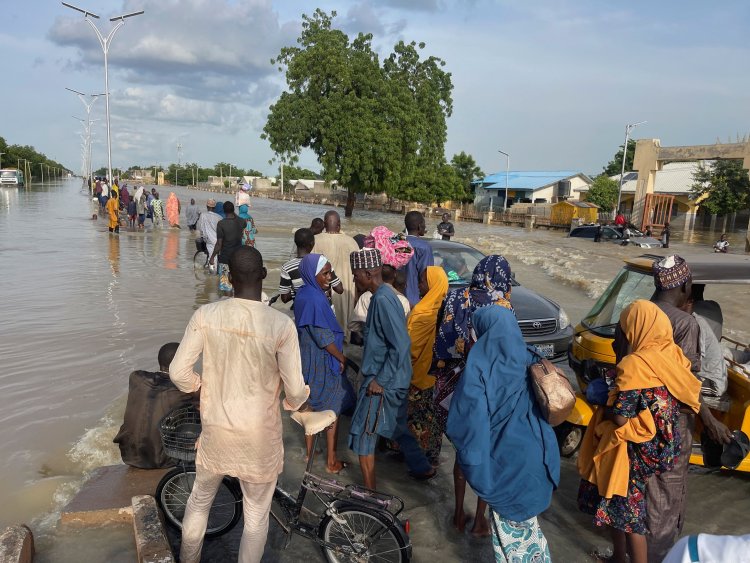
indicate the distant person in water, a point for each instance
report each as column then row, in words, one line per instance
column 173, row 210
column 722, row 245
column 113, row 211
column 158, row 206
column 132, row 212
column 665, row 234
column 151, row 395
column 192, row 214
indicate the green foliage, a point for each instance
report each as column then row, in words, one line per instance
column 433, row 185
column 727, row 185
column 603, row 192
column 615, row 165
column 372, row 127
column 14, row 155
column 467, row 170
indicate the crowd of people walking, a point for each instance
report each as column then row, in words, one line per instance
column 436, row 362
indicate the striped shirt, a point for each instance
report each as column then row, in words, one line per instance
column 291, row 280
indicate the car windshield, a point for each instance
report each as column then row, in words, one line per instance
column 628, row 286
column 8, row 174
column 458, row 262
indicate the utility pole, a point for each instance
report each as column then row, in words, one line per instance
column 179, row 151
column 628, row 128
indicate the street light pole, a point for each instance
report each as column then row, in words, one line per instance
column 628, row 129
column 105, row 44
column 507, row 168
column 89, row 121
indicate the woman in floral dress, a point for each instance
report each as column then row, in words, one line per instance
column 636, row 435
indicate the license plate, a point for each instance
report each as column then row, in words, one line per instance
column 545, row 350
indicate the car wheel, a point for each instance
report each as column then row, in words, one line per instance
column 569, row 438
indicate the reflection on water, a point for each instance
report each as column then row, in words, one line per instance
column 82, row 308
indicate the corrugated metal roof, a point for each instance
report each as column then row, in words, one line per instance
column 526, row 180
column 674, row 178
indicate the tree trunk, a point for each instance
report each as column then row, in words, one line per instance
column 350, row 199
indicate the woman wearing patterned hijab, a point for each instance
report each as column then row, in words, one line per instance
column 490, row 285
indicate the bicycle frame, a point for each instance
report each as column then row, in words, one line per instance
column 331, row 494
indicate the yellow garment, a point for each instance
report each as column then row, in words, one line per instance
column 113, row 208
column 655, row 361
column 422, row 327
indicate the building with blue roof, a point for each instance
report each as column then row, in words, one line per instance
column 529, row 186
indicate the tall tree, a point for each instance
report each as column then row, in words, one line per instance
column 467, row 170
column 372, row 127
column 726, row 185
column 615, row 165
column 603, row 192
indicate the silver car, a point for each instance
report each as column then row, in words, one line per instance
column 613, row 234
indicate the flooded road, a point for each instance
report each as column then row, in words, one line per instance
column 83, row 308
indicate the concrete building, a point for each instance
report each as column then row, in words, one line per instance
column 674, row 179
column 529, row 187
column 651, row 158
column 317, row 187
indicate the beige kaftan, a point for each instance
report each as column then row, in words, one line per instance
column 337, row 247
column 249, row 351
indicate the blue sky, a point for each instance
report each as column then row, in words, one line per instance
column 553, row 83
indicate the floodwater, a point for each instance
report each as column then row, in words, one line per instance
column 82, row 308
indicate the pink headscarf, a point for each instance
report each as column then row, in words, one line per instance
column 394, row 248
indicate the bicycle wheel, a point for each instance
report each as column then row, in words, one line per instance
column 363, row 534
column 173, row 492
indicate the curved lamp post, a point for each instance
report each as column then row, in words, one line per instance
column 105, row 44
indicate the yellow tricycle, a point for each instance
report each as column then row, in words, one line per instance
column 591, row 355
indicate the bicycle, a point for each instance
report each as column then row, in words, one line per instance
column 356, row 524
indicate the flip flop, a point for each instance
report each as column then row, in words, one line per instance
column 344, row 465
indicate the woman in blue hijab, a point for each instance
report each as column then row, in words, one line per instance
column 506, row 449
column 491, row 284
column 219, row 209
column 321, row 343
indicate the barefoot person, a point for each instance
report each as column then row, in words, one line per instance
column 249, row 352
column 490, row 285
column 321, row 341
column 507, row 450
column 386, row 368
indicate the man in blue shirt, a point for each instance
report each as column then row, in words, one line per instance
column 386, row 366
column 415, row 229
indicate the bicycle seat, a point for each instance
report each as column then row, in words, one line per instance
column 314, row 422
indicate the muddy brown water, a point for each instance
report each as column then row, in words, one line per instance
column 82, row 308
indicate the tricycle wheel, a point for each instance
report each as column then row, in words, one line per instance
column 569, row 437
